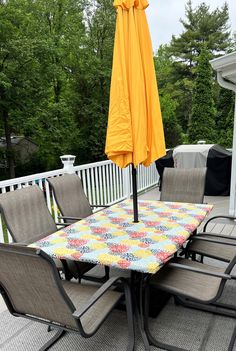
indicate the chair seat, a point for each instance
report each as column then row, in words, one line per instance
column 80, row 293
column 223, row 252
column 193, row 285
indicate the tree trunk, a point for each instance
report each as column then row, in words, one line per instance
column 9, row 149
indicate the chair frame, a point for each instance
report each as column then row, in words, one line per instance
column 210, row 236
column 63, row 217
column 66, row 270
column 193, row 303
column 77, row 314
column 50, row 181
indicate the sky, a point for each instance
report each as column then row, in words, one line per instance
column 163, row 17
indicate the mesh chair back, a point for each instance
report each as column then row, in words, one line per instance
column 31, row 283
column 70, row 196
column 183, row 185
column 26, row 214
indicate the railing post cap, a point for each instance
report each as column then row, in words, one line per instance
column 67, row 157
column 68, row 163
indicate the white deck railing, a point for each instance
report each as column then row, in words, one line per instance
column 103, row 183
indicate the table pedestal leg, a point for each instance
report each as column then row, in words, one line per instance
column 137, row 297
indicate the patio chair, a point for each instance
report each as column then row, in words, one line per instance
column 70, row 198
column 28, row 219
column 202, row 285
column 32, row 288
column 183, row 185
column 73, row 204
column 215, row 246
column 206, row 243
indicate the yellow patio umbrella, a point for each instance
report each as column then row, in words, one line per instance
column 135, row 131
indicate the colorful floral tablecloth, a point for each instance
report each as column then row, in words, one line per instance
column 109, row 237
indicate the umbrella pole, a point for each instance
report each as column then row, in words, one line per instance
column 135, row 193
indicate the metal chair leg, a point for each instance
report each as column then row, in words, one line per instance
column 107, row 272
column 216, row 308
column 97, row 279
column 53, row 340
column 68, row 275
column 130, row 320
column 151, row 339
column 232, row 341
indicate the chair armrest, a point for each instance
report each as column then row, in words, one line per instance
column 219, row 216
column 199, row 271
column 101, row 291
column 20, row 244
column 62, row 224
column 100, row 206
column 217, row 235
column 72, row 218
column 213, row 241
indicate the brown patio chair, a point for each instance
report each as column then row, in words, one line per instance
column 32, row 288
column 28, row 219
column 206, row 243
column 183, row 185
column 200, row 284
column 70, row 198
column 73, row 204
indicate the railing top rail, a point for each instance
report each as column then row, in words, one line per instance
column 32, row 177
column 92, row 165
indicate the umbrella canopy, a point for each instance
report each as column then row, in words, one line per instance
column 135, row 131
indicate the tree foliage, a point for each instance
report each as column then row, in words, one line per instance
column 55, row 69
column 92, row 80
column 201, row 25
column 202, row 124
column 56, row 59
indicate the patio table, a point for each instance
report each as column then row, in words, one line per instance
column 110, row 237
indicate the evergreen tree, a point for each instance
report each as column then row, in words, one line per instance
column 201, row 25
column 168, row 98
column 225, row 116
column 202, row 125
column 172, row 130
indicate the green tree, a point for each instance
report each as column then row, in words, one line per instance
column 168, row 97
column 16, row 61
column 201, row 25
column 39, row 42
column 202, row 124
column 225, row 116
column 92, row 80
column 173, row 131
